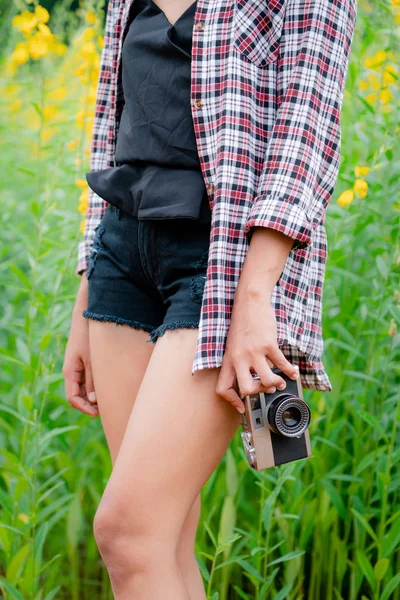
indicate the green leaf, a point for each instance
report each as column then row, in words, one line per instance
column 248, row 567
column 366, row 568
column 286, row 557
column 380, row 569
column 391, row 540
column 382, row 267
column 16, row 564
column 227, row 521
column 365, row 524
column 52, row 593
column 210, row 533
column 283, row 594
column 390, row 587
column 74, row 523
column 373, row 421
column 267, row 583
column 231, row 474
column 335, row 497
column 23, row 351
column 14, row 593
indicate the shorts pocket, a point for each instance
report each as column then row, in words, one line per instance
column 258, row 27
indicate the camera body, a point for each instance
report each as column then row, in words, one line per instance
column 275, row 426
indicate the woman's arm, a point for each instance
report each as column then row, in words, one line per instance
column 252, row 336
column 299, row 173
column 302, row 160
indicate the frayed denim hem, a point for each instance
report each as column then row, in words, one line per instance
column 158, row 331
column 117, row 320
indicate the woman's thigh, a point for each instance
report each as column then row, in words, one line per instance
column 119, row 356
column 177, row 433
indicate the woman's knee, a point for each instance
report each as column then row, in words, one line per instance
column 125, row 535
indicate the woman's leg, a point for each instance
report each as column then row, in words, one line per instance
column 120, row 356
column 176, row 436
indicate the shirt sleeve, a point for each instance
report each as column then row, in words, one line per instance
column 302, row 158
column 98, row 151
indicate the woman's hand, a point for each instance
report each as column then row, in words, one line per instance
column 251, row 343
column 77, row 370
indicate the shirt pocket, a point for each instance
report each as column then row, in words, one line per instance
column 258, row 27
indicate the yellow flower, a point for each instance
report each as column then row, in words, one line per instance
column 45, row 30
column 25, row 22
column 81, row 183
column 59, row 48
column 88, row 34
column 83, row 206
column 346, row 198
column 73, row 145
column 84, row 200
column 361, row 171
column 360, row 187
column 375, row 61
column 42, row 14
column 57, row 94
column 91, row 17
column 83, row 225
column 390, row 74
column 371, row 98
column 386, row 96
column 88, row 50
column 20, row 54
column 39, row 45
column 49, row 112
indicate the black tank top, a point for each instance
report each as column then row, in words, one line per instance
column 157, row 173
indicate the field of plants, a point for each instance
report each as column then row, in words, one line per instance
column 325, row 528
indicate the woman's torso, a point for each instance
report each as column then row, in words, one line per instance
column 157, row 173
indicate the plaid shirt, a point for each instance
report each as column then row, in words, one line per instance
column 267, row 88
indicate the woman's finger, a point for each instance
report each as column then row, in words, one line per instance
column 247, row 384
column 89, row 384
column 270, row 381
column 74, row 397
column 278, row 358
column 227, row 386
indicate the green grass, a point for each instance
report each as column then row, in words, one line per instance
column 326, row 528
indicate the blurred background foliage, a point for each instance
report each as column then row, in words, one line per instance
column 326, row 528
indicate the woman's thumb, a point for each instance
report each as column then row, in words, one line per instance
column 89, row 384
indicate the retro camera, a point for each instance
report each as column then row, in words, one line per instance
column 275, row 426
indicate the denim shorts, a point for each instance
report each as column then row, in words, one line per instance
column 148, row 274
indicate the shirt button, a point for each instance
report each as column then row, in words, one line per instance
column 199, row 25
column 198, row 103
column 210, row 188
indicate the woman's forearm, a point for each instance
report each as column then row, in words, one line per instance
column 264, row 263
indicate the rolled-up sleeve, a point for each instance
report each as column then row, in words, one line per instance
column 301, row 163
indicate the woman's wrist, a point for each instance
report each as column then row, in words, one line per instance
column 264, row 263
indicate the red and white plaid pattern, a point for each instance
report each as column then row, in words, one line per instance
column 267, row 90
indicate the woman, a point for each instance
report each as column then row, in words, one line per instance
column 227, row 283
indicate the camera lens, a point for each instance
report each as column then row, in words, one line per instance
column 291, row 417
column 288, row 415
